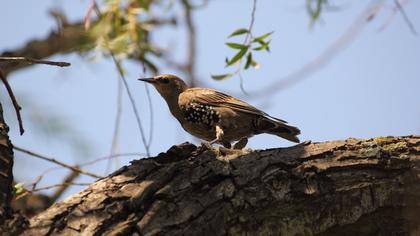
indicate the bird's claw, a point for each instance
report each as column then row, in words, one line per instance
column 206, row 146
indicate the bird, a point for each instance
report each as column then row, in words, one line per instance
column 216, row 117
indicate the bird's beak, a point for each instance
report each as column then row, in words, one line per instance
column 148, row 80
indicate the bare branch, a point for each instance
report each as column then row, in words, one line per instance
column 88, row 163
column 251, row 23
column 114, row 144
column 192, row 43
column 404, row 15
column 34, row 61
column 14, row 101
column 87, row 19
column 151, row 113
column 329, row 53
column 246, row 42
column 70, row 38
column 65, row 185
column 130, row 154
column 58, row 186
column 73, row 168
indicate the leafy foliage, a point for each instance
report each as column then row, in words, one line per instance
column 314, row 8
column 244, row 50
column 18, row 189
column 119, row 29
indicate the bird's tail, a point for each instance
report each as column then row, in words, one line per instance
column 279, row 128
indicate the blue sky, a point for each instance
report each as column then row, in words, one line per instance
column 371, row 88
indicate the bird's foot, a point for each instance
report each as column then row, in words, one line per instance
column 206, row 146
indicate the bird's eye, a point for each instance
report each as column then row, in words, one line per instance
column 164, row 80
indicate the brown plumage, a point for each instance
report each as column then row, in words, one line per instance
column 217, row 117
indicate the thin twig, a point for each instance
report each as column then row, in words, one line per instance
column 389, row 19
column 87, row 19
column 94, row 161
column 127, row 88
column 325, row 57
column 14, row 101
column 149, row 101
column 34, row 61
column 406, row 19
column 251, row 23
column 151, row 113
column 57, row 186
column 192, row 43
column 133, row 103
column 114, row 145
column 68, row 179
column 112, row 156
column 36, row 181
column 247, row 42
column 73, row 168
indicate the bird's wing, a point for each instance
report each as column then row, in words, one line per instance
column 218, row 99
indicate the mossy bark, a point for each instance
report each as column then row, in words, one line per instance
column 351, row 187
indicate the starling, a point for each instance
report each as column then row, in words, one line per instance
column 217, row 117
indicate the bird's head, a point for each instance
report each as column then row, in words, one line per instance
column 169, row 86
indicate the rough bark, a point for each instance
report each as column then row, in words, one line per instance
column 351, row 187
column 6, row 165
column 9, row 221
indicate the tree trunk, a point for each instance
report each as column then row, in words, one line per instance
column 9, row 221
column 351, row 187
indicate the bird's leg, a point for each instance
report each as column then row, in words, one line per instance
column 218, row 139
column 241, row 143
column 206, row 145
column 219, row 135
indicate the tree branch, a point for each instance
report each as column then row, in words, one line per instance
column 14, row 101
column 34, row 61
column 71, row 37
column 307, row 189
column 6, row 166
column 68, row 38
column 73, row 168
column 10, row 222
column 326, row 56
column 189, row 66
column 405, row 17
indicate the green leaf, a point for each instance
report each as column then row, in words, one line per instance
column 238, row 56
column 18, row 189
column 236, row 45
column 262, row 37
column 221, row 77
column 314, row 11
column 248, row 61
column 260, row 41
column 264, row 46
column 239, row 32
column 120, row 43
